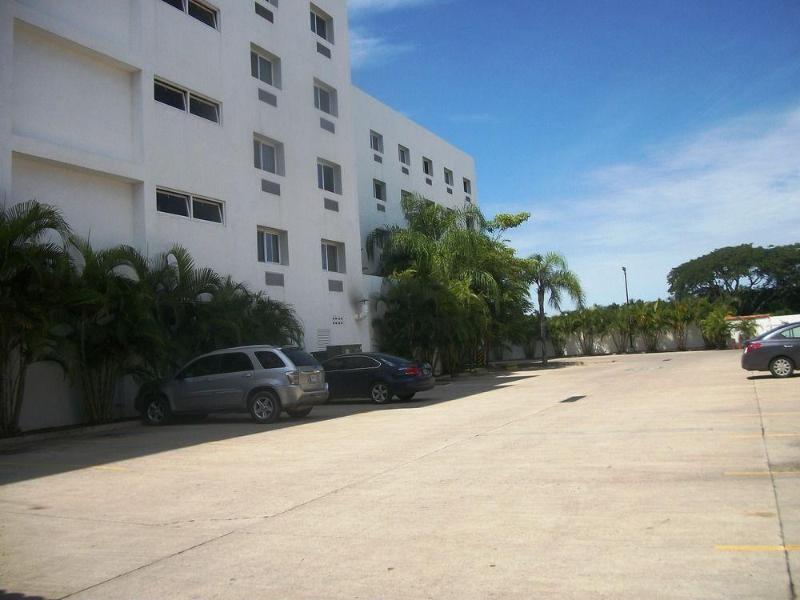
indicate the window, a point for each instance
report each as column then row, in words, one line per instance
column 404, row 154
column 206, row 210
column 793, row 333
column 186, row 205
column 333, row 257
column 175, row 96
column 379, row 188
column 427, row 166
column 172, row 203
column 448, row 176
column 167, row 94
column 271, row 246
column 300, row 358
column 321, row 24
column 265, row 66
column 325, row 98
column 269, row 360
column 235, row 362
column 199, row 10
column 376, row 141
column 329, row 177
column 204, row 108
column 268, row 155
column 467, row 186
column 202, row 367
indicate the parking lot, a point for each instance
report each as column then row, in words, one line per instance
column 671, row 476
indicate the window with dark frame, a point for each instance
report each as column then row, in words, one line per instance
column 169, row 95
column 376, row 141
column 265, row 156
column 328, row 177
column 175, row 96
column 467, row 186
column 325, row 99
column 261, row 67
column 427, row 166
column 448, row 176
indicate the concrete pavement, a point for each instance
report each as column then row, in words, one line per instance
column 670, row 476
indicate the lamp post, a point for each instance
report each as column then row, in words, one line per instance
column 628, row 303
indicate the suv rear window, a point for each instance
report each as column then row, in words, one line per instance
column 300, row 358
column 269, row 360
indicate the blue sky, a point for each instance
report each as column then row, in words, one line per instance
column 637, row 133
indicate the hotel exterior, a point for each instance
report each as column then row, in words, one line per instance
column 229, row 128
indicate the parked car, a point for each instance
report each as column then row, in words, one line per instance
column 377, row 376
column 261, row 380
column 776, row 351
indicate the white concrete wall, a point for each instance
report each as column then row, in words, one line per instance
column 397, row 129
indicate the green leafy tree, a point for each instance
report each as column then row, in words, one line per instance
column 716, row 327
column 551, row 280
column 751, row 278
column 650, row 322
column 28, row 293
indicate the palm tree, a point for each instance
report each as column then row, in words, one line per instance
column 109, row 323
column 27, row 294
column 551, row 278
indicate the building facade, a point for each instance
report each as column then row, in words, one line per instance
column 230, row 128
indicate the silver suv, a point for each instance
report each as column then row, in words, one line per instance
column 263, row 380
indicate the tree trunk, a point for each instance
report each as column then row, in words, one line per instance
column 542, row 326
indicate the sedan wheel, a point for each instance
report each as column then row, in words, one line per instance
column 157, row 412
column 781, row 367
column 265, row 408
column 380, row 393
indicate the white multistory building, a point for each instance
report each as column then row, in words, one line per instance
column 230, row 128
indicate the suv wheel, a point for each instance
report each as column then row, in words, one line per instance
column 157, row 412
column 379, row 392
column 781, row 367
column 265, row 407
column 298, row 413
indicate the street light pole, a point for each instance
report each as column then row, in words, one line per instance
column 628, row 303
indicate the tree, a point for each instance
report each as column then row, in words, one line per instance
column 27, row 292
column 551, row 278
column 751, row 278
column 451, row 258
column 650, row 322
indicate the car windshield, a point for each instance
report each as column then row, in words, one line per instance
column 300, row 358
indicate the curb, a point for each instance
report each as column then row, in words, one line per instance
column 34, row 437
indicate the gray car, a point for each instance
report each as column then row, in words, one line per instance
column 261, row 380
column 776, row 351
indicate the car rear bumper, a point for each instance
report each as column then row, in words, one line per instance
column 413, row 386
column 755, row 361
column 295, row 397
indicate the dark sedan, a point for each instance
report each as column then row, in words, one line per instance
column 776, row 351
column 376, row 376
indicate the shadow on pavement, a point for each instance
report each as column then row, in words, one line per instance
column 41, row 458
column 6, row 595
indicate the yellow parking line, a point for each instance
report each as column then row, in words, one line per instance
column 786, row 548
column 759, row 473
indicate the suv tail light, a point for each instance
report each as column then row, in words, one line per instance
column 752, row 346
column 293, row 377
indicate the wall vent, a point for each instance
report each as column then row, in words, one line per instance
column 377, row 158
column 428, row 181
column 273, row 279
column 324, row 50
column 331, row 205
column 337, row 321
column 405, row 170
column 327, row 125
column 381, row 208
column 264, row 12
column 265, row 96
column 270, row 187
column 335, row 285
column 323, row 339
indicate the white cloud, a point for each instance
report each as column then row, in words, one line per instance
column 367, row 50
column 737, row 183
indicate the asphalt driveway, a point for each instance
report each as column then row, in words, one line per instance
column 670, row 476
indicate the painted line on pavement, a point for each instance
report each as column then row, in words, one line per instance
column 768, row 414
